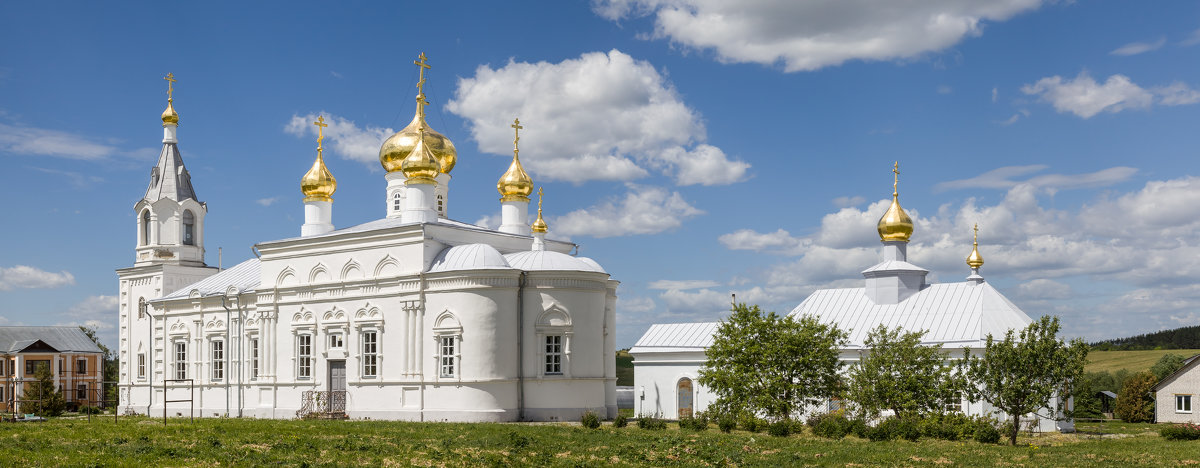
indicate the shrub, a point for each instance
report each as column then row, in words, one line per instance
column 621, row 421
column 726, row 423
column 893, row 428
column 1185, row 431
column 590, row 420
column 951, row 426
column 85, row 409
column 651, row 423
column 698, row 423
column 859, row 427
column 1134, row 403
column 986, row 434
column 830, row 425
column 751, row 423
column 780, row 428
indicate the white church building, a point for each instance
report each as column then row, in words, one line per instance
column 413, row 316
column 668, row 357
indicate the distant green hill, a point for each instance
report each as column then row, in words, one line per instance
column 624, row 368
column 1179, row 338
column 1133, row 361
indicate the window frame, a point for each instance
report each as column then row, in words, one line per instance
column 397, row 202
column 142, row 307
column 81, row 391
column 147, row 223
column 369, row 351
column 141, row 366
column 448, row 360
column 304, row 356
column 553, row 353
column 188, row 229
column 216, row 358
column 180, row 359
column 81, row 366
column 1182, row 400
column 31, row 365
column 254, row 357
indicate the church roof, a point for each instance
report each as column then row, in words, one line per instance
column 955, row 314
column 63, row 339
column 894, row 265
column 468, row 257
column 543, row 260
column 244, row 276
column 169, row 178
column 667, row 337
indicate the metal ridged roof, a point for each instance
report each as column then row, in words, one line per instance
column 542, row 260
column 955, row 314
column 677, row 335
column 468, row 257
column 64, row 339
column 244, row 276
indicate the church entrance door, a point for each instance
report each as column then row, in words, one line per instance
column 684, row 398
column 337, row 385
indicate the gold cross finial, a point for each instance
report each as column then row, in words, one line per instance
column 516, row 134
column 170, row 81
column 976, row 233
column 896, row 178
column 320, row 123
column 539, row 200
column 423, row 65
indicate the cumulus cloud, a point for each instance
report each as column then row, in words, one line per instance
column 21, row 140
column 1134, row 48
column 1084, row 97
column 804, row 36
column 1011, row 176
column 635, row 304
column 1042, row 288
column 643, row 210
column 267, row 201
column 843, row 202
column 601, row 116
column 682, row 285
column 779, row 241
column 343, row 137
column 27, row 277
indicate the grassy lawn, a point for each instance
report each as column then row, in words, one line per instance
column 1135, row 361
column 244, row 442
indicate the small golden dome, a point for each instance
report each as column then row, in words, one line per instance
column 169, row 116
column 895, row 225
column 515, row 184
column 318, row 183
column 539, row 224
column 420, row 167
column 975, row 260
column 398, row 146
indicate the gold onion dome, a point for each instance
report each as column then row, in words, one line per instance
column 539, row 224
column 169, row 116
column 420, row 166
column 318, row 183
column 895, row 225
column 975, row 260
column 398, row 146
column 515, row 184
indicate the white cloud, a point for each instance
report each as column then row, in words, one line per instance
column 682, row 285
column 1042, row 288
column 1010, row 176
column 22, row 276
column 844, row 202
column 1192, row 39
column 995, row 94
column 635, row 304
column 343, row 137
column 944, row 89
column 76, row 179
column 1134, row 48
column 45, row 142
column 805, row 36
column 267, row 201
column 492, row 221
column 643, row 210
column 1085, row 98
column 745, row 239
column 602, row 116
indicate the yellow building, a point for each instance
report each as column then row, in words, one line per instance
column 74, row 360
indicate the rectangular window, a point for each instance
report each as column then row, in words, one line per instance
column 304, row 356
column 554, row 355
column 62, row 366
column 81, row 392
column 141, row 369
column 370, row 354
column 31, row 367
column 81, row 366
column 180, row 360
column 953, row 404
column 447, row 356
column 253, row 358
column 218, row 360
column 335, row 341
column 1183, row 403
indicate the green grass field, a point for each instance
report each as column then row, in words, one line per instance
column 245, row 442
column 1134, row 361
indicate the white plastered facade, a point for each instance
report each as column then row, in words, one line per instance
column 1176, row 396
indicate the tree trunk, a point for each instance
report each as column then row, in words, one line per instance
column 1016, row 426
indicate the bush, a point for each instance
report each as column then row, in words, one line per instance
column 726, row 423
column 751, row 423
column 1134, row 403
column 781, row 428
column 621, row 421
column 893, row 428
column 986, row 433
column 1185, row 431
column 830, row 425
column 859, row 427
column 698, row 423
column 590, row 420
column 651, row 423
column 85, row 409
column 951, row 426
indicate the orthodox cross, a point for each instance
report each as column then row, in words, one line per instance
column 170, row 81
column 320, row 123
column 516, row 134
column 539, row 201
column 896, row 178
column 423, row 65
column 976, row 233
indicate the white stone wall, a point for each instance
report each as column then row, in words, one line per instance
column 1183, row 383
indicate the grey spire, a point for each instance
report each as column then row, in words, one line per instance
column 168, row 178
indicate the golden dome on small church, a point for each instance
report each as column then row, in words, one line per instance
column 169, row 116
column 975, row 260
column 895, row 225
column 318, row 183
column 539, row 224
column 515, row 184
column 398, row 146
column 420, row 167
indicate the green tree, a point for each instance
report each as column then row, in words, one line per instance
column 46, row 398
column 109, row 365
column 898, row 373
column 1022, row 373
column 1135, row 403
column 1167, row 365
column 761, row 363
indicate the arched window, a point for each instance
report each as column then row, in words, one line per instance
column 146, row 227
column 441, row 207
column 189, row 228
column 396, row 202
column 141, row 307
column 685, row 395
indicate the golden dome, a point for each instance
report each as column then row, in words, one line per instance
column 515, row 184
column 169, row 116
column 318, row 183
column 975, row 260
column 539, row 225
column 895, row 225
column 398, row 146
column 420, row 167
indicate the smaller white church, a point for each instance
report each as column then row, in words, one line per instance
column 668, row 357
column 413, row 316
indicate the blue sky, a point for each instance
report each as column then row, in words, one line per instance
column 694, row 148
